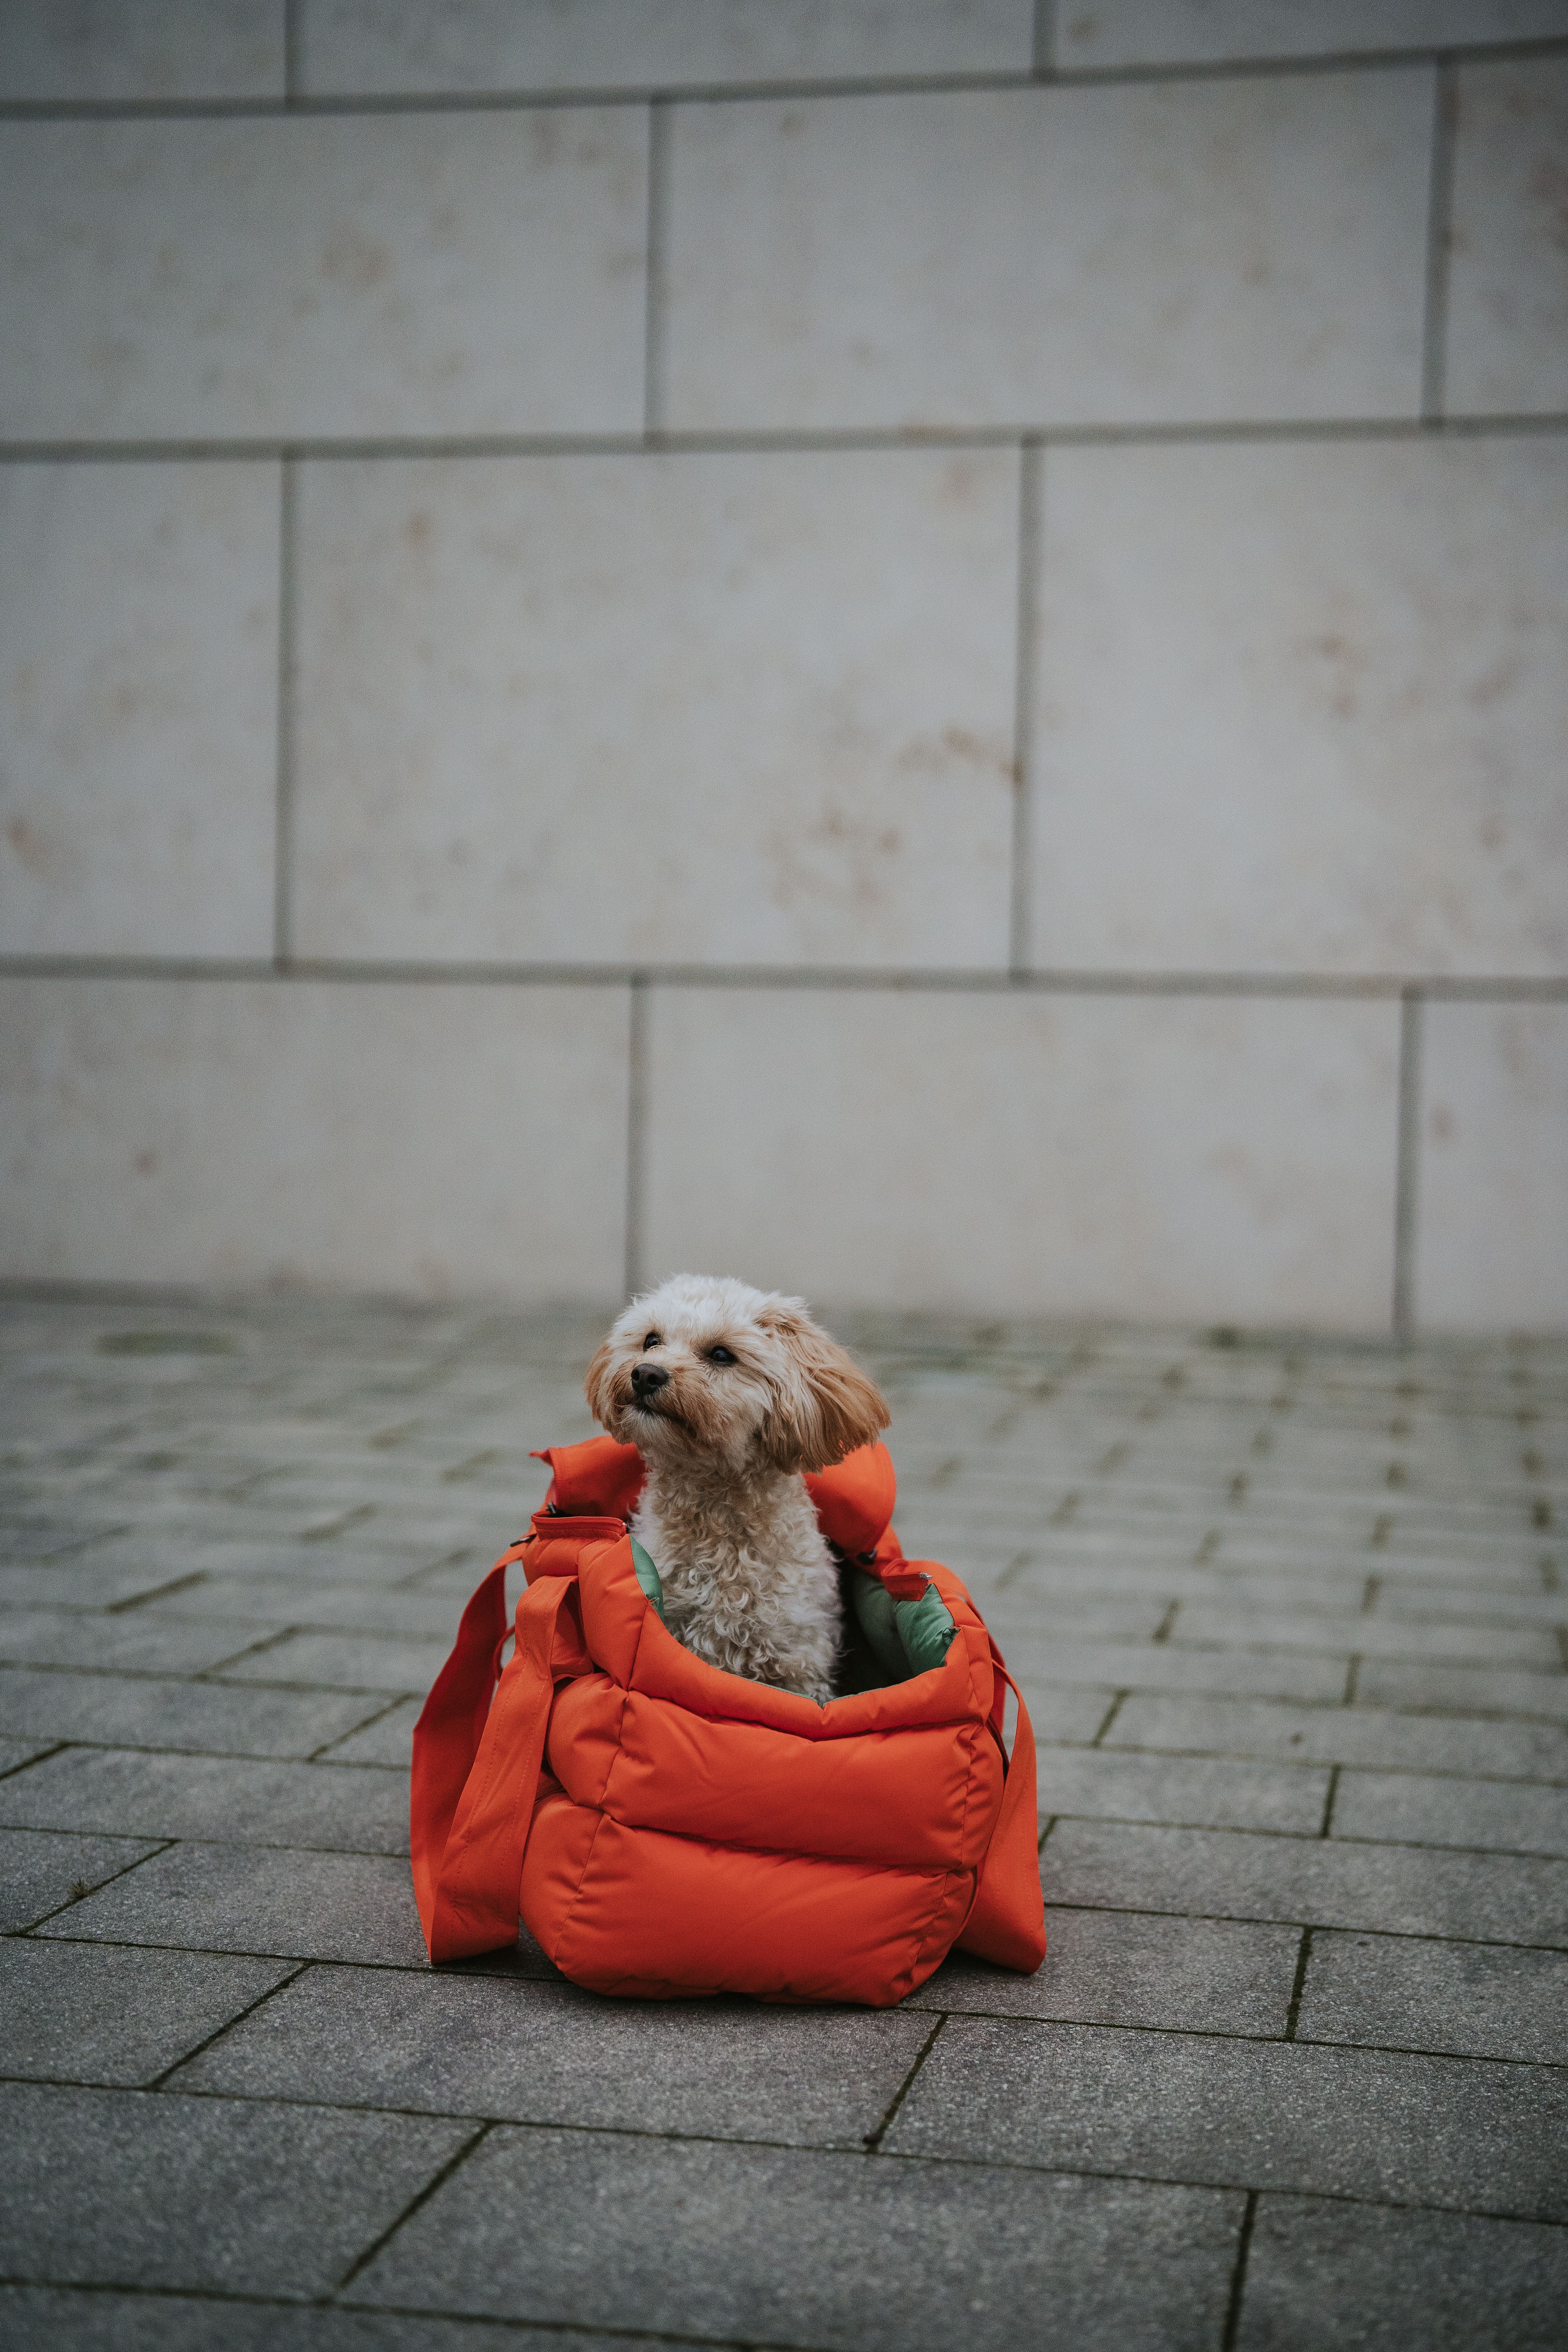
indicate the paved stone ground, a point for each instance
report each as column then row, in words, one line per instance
column 1291, row 1622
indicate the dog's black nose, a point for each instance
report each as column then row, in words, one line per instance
column 649, row 1379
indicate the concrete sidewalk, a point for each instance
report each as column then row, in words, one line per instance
column 1291, row 1622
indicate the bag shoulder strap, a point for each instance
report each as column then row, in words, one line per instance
column 1007, row 1920
column 479, row 1747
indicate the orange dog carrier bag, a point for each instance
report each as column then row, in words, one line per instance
column 663, row 1827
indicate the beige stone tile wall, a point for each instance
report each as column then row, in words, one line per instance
column 139, row 692
column 1508, row 297
column 402, row 45
column 1296, row 704
column 1492, row 1221
column 440, row 1140
column 244, row 278
column 917, row 648
column 1029, row 1155
column 1142, row 253
column 153, row 49
column 1111, row 33
column 734, row 707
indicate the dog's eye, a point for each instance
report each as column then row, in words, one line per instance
column 719, row 1356
column 653, row 1340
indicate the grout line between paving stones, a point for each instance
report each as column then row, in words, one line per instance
column 324, row 1754
column 943, row 2161
column 566, row 2332
column 225, row 2298
column 248, row 1754
column 57, row 1748
column 1238, row 2276
column 1303, row 1764
column 158, row 1592
column 1110, row 1717
column 161, row 2082
column 1331, row 1791
column 1299, row 1984
column 437, row 2179
column 159, row 1846
column 263, row 1643
column 874, row 2138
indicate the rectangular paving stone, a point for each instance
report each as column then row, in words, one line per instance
column 388, row 1740
column 1228, row 1625
column 72, row 2013
column 1359, row 1735
column 1321, row 2276
column 296, row 1904
column 313, row 1602
column 86, row 1581
column 236, row 1798
column 376, row 1565
column 1266, row 2114
column 549, row 2053
column 1077, row 1781
column 1507, row 1816
column 135, row 1644
column 41, row 1540
column 38, row 1870
column 1464, row 1690
column 221, row 1718
column 78, row 2319
column 1518, row 1603
column 131, row 2188
column 1239, row 1873
column 1121, row 1967
column 361, row 1662
column 857, row 2254
column 1474, row 2001
column 1060, row 1712
column 1158, row 1667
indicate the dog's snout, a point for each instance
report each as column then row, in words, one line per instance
column 649, row 1379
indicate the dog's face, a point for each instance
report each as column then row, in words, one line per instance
column 705, row 1370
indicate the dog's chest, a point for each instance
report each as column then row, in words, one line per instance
column 700, row 1557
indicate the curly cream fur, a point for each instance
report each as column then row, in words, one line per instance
column 749, row 1582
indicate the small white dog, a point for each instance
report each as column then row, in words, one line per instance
column 728, row 1394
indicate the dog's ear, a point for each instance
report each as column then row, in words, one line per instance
column 597, row 1386
column 827, row 1407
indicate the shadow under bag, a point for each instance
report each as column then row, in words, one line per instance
column 662, row 1827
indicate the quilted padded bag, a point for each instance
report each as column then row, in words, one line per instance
column 663, row 1827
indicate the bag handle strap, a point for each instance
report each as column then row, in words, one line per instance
column 1007, row 1920
column 478, row 1747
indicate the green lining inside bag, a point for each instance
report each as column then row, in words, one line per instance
column 651, row 1581
column 906, row 1637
